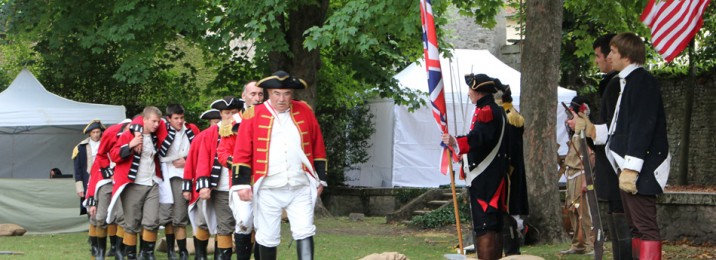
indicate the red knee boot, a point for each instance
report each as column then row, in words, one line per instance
column 650, row 250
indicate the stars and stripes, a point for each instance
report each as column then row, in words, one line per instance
column 673, row 24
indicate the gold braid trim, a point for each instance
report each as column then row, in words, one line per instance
column 225, row 128
column 248, row 114
column 513, row 117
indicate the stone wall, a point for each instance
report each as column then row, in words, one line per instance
column 687, row 215
column 702, row 150
column 463, row 33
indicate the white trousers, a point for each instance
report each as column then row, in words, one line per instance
column 299, row 209
column 243, row 212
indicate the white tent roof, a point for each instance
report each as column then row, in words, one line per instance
column 27, row 103
column 465, row 62
column 405, row 148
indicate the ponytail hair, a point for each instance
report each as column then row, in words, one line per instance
column 505, row 89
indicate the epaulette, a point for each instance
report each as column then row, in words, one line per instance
column 513, row 117
column 248, row 113
column 225, row 128
column 75, row 152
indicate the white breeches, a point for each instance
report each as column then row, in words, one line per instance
column 299, row 209
column 243, row 212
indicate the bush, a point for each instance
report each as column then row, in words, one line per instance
column 443, row 216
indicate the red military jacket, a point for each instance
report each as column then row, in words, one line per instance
column 209, row 162
column 100, row 168
column 123, row 173
column 167, row 133
column 251, row 151
column 190, row 166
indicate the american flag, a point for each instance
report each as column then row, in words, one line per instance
column 435, row 76
column 673, row 24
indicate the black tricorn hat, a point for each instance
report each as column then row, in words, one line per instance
column 481, row 83
column 227, row 103
column 95, row 124
column 210, row 114
column 282, row 80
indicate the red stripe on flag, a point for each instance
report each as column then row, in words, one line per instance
column 673, row 24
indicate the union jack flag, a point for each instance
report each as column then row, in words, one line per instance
column 435, row 76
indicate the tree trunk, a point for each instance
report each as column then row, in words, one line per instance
column 683, row 177
column 538, row 101
column 299, row 61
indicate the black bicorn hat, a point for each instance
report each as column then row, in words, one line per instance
column 282, row 80
column 95, row 124
column 481, row 82
column 227, row 103
column 210, row 114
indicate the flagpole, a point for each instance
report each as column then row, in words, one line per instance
column 450, row 169
column 458, row 225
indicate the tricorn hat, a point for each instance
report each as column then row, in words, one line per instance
column 481, row 83
column 210, row 114
column 227, row 103
column 95, row 124
column 282, row 80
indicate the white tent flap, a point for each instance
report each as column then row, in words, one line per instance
column 416, row 137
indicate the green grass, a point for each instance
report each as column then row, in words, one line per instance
column 337, row 238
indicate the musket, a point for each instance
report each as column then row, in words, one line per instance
column 592, row 202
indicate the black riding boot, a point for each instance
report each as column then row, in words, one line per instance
column 171, row 255
column 267, row 253
column 101, row 248
column 511, row 238
column 120, row 250
column 304, row 248
column 183, row 253
column 112, row 246
column 93, row 246
column 200, row 249
column 623, row 236
column 243, row 246
column 130, row 252
column 147, row 250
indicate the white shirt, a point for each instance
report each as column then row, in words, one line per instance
column 178, row 149
column 147, row 170
column 93, row 148
column 285, row 167
column 223, row 184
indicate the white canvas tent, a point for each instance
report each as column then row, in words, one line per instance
column 405, row 148
column 38, row 131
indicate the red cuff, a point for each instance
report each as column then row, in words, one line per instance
column 462, row 144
